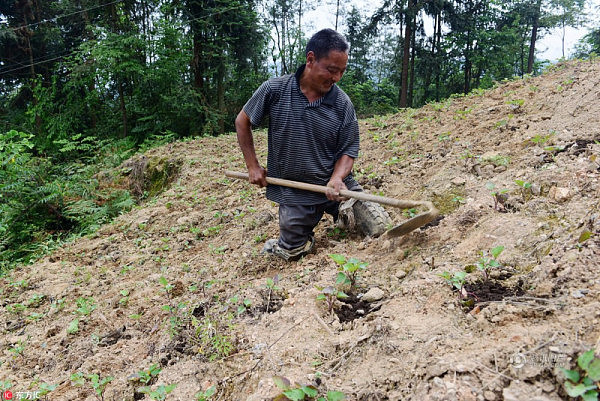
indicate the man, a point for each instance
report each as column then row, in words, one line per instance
column 313, row 137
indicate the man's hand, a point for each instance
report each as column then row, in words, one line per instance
column 335, row 185
column 258, row 176
column 342, row 168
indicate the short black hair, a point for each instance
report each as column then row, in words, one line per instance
column 326, row 40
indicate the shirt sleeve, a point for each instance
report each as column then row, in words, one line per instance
column 348, row 138
column 258, row 106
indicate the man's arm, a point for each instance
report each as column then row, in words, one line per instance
column 342, row 168
column 257, row 174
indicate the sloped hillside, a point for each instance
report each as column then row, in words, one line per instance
column 174, row 298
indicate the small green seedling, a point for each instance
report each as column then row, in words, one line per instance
column 18, row 349
column 467, row 156
column 44, row 389
column 393, row 160
column 584, row 236
column 206, row 394
column 85, row 306
column 303, row 392
column 488, row 261
column 497, row 160
column 160, row 393
column 78, row 379
column 124, row 297
column 166, row 286
column 459, row 200
column 35, row 301
column 457, row 281
column 271, row 283
column 498, row 195
column 260, row 238
column 337, row 233
column 98, row 384
column 147, row 375
column 73, row 326
column 584, row 381
column 444, row 138
column 410, row 213
column 272, row 287
column 516, row 103
column 540, row 139
column 525, row 189
column 5, row 385
column 245, row 305
column 348, row 269
column 15, row 308
column 241, row 308
column 329, row 295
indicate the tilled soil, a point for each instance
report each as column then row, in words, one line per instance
column 177, row 288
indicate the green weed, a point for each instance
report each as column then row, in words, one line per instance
column 349, row 269
column 329, row 295
column 94, row 380
column 147, row 375
column 525, row 189
column 457, row 281
column 497, row 195
column 583, row 381
column 206, row 394
column 303, row 392
column 159, row 393
column 488, row 261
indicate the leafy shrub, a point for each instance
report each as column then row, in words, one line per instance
column 43, row 202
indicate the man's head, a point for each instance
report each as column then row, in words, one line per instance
column 326, row 59
column 324, row 41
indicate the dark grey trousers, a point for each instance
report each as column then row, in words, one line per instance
column 297, row 222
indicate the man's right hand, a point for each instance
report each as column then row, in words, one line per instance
column 258, row 176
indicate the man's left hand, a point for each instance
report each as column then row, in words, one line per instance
column 335, row 185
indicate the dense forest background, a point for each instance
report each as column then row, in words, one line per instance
column 84, row 84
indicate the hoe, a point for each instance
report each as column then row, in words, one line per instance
column 397, row 231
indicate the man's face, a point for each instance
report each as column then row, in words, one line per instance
column 327, row 71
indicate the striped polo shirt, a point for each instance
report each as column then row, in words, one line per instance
column 305, row 139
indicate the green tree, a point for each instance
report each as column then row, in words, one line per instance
column 568, row 13
column 227, row 41
column 588, row 45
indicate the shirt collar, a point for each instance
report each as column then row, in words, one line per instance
column 329, row 97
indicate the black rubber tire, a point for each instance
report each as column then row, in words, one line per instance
column 371, row 218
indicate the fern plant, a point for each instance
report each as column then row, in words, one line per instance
column 43, row 202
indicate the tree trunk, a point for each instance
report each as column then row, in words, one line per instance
column 122, row 108
column 27, row 35
column 412, row 65
column 429, row 67
column 282, row 50
column 406, row 57
column 337, row 14
column 299, row 36
column 196, row 67
column 468, row 65
column 438, row 69
column 221, row 94
column 536, row 21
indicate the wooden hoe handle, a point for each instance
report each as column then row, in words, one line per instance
column 403, row 204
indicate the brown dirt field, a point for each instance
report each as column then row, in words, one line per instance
column 166, row 283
